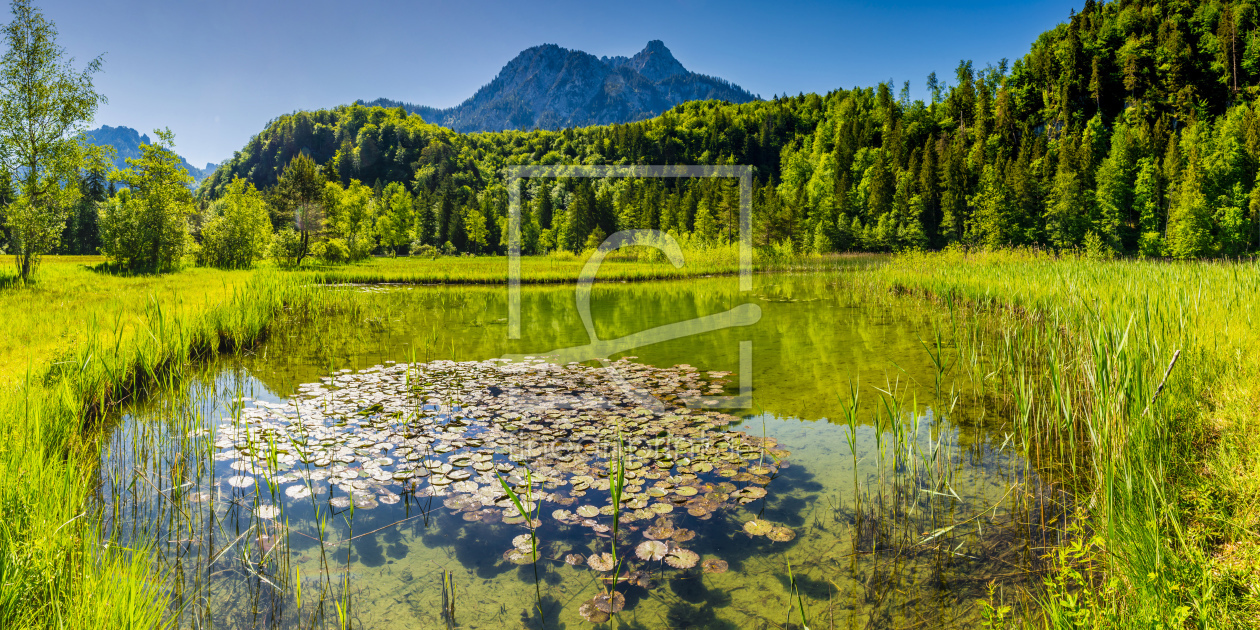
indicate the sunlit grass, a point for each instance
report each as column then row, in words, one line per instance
column 80, row 341
column 1161, row 456
column 70, row 306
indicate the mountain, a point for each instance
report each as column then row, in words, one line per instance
column 549, row 87
column 126, row 142
column 1131, row 129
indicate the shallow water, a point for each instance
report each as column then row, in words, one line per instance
column 902, row 506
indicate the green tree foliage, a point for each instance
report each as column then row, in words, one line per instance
column 299, row 193
column 1131, row 128
column 394, row 225
column 145, row 226
column 82, row 232
column 478, row 232
column 286, row 249
column 238, row 230
column 352, row 216
column 45, row 104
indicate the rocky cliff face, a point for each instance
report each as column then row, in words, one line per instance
column 126, row 142
column 550, row 87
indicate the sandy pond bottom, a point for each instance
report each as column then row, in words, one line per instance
column 373, row 496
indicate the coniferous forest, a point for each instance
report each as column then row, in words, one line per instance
column 1129, row 129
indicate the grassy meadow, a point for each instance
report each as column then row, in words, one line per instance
column 1078, row 353
column 1134, row 384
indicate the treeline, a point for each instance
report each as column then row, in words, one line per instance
column 1130, row 129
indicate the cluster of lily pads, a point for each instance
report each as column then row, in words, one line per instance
column 557, row 434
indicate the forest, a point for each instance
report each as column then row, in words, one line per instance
column 1130, row 129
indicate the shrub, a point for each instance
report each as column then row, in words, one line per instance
column 145, row 226
column 421, row 250
column 333, row 250
column 286, row 248
column 238, row 230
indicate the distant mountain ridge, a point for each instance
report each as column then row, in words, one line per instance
column 126, row 142
column 550, row 87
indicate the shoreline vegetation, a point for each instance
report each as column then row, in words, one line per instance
column 1073, row 349
column 1131, row 383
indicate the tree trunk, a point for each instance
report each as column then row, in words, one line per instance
column 306, row 247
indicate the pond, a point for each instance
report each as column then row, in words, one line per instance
column 825, row 463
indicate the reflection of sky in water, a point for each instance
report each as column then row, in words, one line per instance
column 809, row 345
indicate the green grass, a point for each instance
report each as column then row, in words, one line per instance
column 1072, row 349
column 54, row 571
column 81, row 341
column 627, row 265
column 1075, row 351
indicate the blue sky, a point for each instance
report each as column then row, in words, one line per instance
column 216, row 72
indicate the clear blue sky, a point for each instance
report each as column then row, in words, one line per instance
column 216, row 72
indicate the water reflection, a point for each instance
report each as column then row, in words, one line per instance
column 899, row 517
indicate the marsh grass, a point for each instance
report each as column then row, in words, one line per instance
column 627, row 265
column 1142, row 468
column 53, row 567
column 1132, row 385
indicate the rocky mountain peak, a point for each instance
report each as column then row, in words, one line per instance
column 655, row 62
column 552, row 87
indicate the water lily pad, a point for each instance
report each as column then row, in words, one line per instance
column 524, row 542
column 267, row 511
column 651, row 550
column 609, row 602
column 240, row 481
column 600, row 561
column 589, row 612
column 714, row 565
column 588, row 511
column 297, row 492
column 781, row 534
column 758, row 527
column 516, row 556
column 682, row 558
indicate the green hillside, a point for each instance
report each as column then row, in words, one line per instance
column 1130, row 128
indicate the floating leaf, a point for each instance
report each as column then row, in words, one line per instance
column 714, row 566
column 682, row 535
column 651, row 550
column 601, row 561
column 682, row 558
column 609, row 602
column 781, row 534
column 240, row 481
column 524, row 543
column 589, row 612
column 757, row 527
column 297, row 492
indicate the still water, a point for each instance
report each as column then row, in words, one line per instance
column 346, row 473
